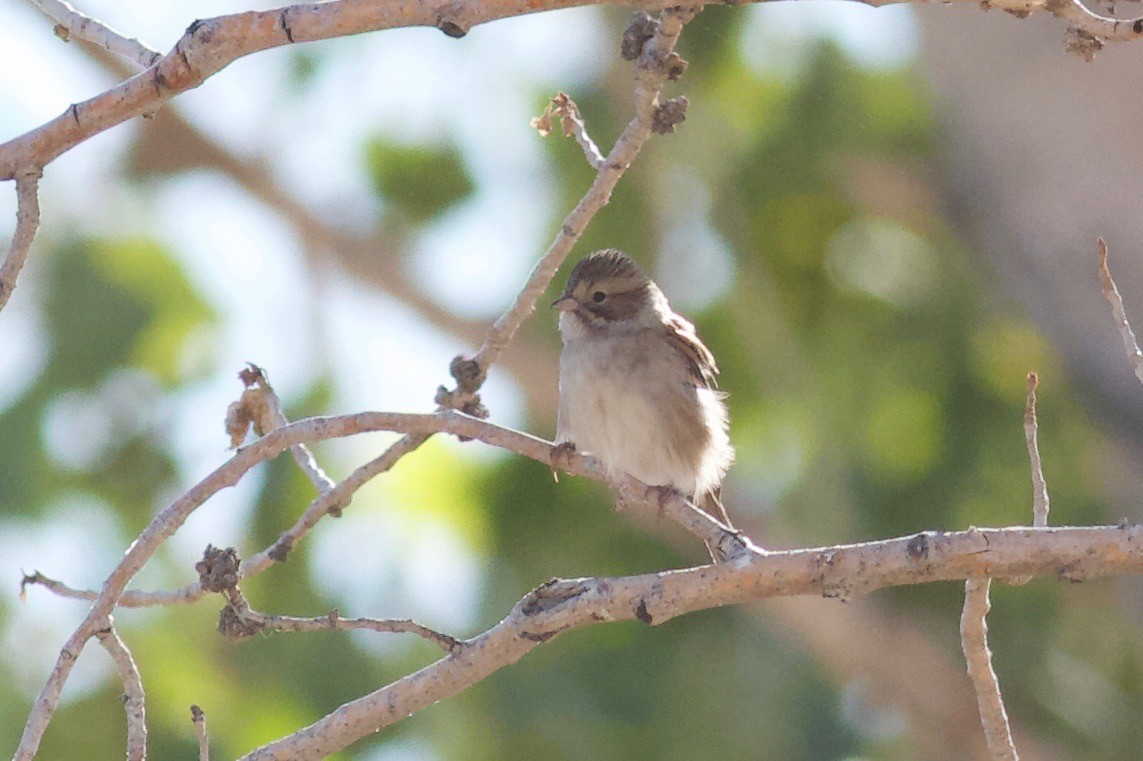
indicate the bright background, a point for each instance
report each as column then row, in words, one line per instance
column 351, row 214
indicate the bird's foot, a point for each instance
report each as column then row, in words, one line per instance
column 661, row 495
column 560, row 458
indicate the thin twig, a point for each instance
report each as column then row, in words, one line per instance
column 974, row 641
column 652, row 75
column 334, row 622
column 340, row 494
column 1040, row 500
column 134, row 700
column 564, row 108
column 198, row 718
column 72, row 23
column 259, row 406
column 1130, row 344
column 27, row 223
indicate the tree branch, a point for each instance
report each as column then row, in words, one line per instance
column 334, row 622
column 565, row 109
column 210, row 45
column 72, row 23
column 1130, row 344
column 974, row 641
column 27, row 223
column 220, row 571
column 651, row 75
column 559, row 606
column 1040, row 500
column 260, row 407
column 419, row 427
column 134, row 699
column 1074, row 553
column 198, row 718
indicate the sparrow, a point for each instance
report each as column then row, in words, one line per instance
column 637, row 386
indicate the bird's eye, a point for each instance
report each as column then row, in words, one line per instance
column 598, row 296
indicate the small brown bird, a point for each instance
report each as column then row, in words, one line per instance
column 637, row 386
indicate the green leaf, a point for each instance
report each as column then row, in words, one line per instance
column 420, row 182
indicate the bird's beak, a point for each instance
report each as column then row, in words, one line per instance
column 565, row 303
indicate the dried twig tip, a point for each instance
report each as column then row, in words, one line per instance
column 198, row 718
column 1082, row 42
column 641, row 29
column 1041, row 503
column 674, row 65
column 1119, row 313
column 669, row 115
column 219, row 569
column 252, row 374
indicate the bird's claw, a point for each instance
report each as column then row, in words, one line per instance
column 560, row 458
column 662, row 495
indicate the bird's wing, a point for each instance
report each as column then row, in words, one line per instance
column 700, row 362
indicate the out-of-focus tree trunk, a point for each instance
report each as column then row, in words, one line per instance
column 1045, row 153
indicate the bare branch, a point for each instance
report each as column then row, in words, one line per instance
column 422, row 426
column 72, row 23
column 856, row 569
column 198, row 718
column 220, row 571
column 974, row 641
column 260, row 407
column 565, row 109
column 651, row 75
column 134, row 699
column 134, row 598
column 559, row 606
column 1134, row 355
column 1040, row 501
column 209, row 45
column 334, row 622
column 339, row 495
column 27, row 223
column 1088, row 22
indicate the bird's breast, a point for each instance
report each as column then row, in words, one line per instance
column 628, row 401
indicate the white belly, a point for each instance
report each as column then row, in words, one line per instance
column 629, row 401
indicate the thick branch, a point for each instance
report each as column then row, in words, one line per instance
column 655, row 598
column 1105, row 27
column 974, row 641
column 27, row 223
column 134, row 701
column 1075, row 553
column 210, row 45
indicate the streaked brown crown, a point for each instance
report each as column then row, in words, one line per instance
column 608, row 264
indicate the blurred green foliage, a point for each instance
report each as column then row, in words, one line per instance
column 877, row 387
column 419, row 181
